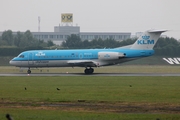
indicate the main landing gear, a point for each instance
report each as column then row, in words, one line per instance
column 29, row 71
column 89, row 70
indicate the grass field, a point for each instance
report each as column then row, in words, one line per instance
column 90, row 97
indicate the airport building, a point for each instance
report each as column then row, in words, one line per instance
column 66, row 28
column 61, row 33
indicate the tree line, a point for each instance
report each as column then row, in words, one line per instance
column 164, row 47
column 75, row 42
column 12, row 44
column 22, row 40
column 167, row 47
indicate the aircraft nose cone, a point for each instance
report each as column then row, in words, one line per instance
column 11, row 62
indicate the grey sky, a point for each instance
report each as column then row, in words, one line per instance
column 92, row 15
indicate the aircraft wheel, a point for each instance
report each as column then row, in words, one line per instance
column 86, row 71
column 29, row 71
column 89, row 71
column 92, row 70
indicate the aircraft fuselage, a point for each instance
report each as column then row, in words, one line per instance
column 60, row 58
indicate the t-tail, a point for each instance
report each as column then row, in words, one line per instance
column 147, row 40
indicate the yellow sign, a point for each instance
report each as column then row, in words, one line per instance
column 68, row 17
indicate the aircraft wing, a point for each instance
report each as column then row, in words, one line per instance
column 83, row 63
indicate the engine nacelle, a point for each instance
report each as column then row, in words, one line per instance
column 110, row 55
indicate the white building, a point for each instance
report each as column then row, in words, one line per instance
column 61, row 33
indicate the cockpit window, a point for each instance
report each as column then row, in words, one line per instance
column 21, row 56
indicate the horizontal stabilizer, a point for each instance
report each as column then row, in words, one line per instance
column 157, row 31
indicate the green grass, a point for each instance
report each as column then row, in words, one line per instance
column 25, row 114
column 91, row 88
column 155, row 91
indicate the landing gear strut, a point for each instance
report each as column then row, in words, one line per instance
column 29, row 71
column 88, row 70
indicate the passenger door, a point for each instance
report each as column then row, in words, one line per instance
column 80, row 56
column 30, row 59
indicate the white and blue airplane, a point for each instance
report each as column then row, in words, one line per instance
column 89, row 58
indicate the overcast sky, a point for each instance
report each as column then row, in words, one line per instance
column 92, row 15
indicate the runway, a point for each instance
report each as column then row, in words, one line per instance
column 94, row 74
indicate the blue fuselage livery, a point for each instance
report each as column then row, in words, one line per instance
column 87, row 58
column 45, row 58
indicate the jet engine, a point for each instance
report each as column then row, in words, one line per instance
column 110, row 55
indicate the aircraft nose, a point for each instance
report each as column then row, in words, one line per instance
column 11, row 62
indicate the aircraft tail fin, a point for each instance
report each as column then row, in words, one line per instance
column 147, row 40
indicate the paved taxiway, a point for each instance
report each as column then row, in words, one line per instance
column 95, row 74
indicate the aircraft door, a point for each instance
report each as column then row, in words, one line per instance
column 30, row 59
column 80, row 56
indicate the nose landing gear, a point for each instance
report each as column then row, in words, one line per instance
column 29, row 71
column 88, row 70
